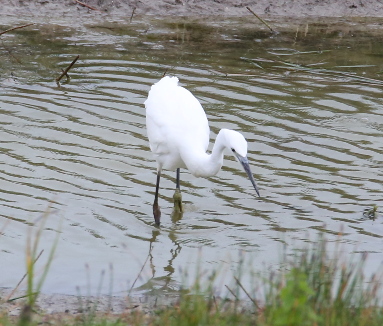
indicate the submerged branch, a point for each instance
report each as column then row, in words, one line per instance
column 65, row 72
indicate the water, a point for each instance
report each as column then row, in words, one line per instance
column 308, row 100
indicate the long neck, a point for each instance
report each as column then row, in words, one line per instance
column 202, row 164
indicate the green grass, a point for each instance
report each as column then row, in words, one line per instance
column 34, row 283
column 313, row 286
column 319, row 289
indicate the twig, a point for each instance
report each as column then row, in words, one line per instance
column 241, row 75
column 22, row 296
column 232, row 293
column 22, row 279
column 131, row 17
column 85, row 5
column 272, row 31
column 166, row 71
column 65, row 72
column 139, row 274
column 110, row 288
column 12, row 29
column 225, row 74
column 248, row 295
column 215, row 303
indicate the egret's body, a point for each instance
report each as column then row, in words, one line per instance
column 178, row 133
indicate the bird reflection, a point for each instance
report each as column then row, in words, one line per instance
column 165, row 283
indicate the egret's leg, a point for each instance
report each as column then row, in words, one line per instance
column 156, row 208
column 178, row 179
column 177, row 195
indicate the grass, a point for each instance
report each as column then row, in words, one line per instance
column 313, row 286
column 33, row 283
column 316, row 289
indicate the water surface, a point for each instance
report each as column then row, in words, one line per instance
column 308, row 100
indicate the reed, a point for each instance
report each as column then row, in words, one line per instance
column 34, row 283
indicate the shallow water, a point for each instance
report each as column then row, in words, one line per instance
column 308, row 100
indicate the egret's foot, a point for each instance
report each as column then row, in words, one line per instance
column 178, row 209
column 157, row 213
column 176, row 216
column 178, row 202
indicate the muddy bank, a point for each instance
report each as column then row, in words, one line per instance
column 71, row 304
column 174, row 8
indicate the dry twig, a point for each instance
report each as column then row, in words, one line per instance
column 65, row 72
column 231, row 291
column 248, row 295
column 85, row 5
column 12, row 29
column 131, row 17
column 22, row 279
column 139, row 274
column 272, row 31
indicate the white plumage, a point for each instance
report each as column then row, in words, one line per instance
column 178, row 133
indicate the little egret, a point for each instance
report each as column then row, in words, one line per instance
column 178, row 133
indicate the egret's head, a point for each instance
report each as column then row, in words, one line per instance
column 236, row 142
column 238, row 145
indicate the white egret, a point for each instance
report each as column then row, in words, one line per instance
column 178, row 133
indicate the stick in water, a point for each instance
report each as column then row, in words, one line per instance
column 268, row 26
column 131, row 17
column 65, row 72
column 12, row 29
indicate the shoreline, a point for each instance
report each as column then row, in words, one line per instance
column 127, row 9
column 51, row 304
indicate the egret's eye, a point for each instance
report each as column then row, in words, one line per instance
column 233, row 150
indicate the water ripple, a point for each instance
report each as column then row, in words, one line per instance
column 315, row 146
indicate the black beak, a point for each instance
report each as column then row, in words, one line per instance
column 245, row 163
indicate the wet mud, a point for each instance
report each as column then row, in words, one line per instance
column 182, row 8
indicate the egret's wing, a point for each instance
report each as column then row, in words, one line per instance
column 174, row 118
